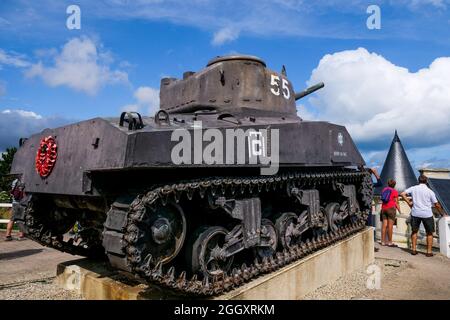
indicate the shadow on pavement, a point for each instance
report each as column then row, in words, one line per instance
column 19, row 254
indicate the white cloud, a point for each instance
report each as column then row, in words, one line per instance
column 304, row 113
column 147, row 101
column 45, row 53
column 18, row 123
column 13, row 59
column 22, row 113
column 432, row 157
column 226, row 34
column 131, row 107
column 4, row 22
column 436, row 3
column 82, row 65
column 147, row 95
column 373, row 97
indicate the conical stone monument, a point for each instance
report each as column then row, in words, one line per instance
column 397, row 167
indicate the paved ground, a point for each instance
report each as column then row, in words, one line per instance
column 27, row 271
column 422, row 277
column 404, row 277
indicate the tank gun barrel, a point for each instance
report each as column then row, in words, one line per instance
column 308, row 91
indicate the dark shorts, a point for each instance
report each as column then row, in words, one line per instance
column 17, row 212
column 428, row 223
column 388, row 214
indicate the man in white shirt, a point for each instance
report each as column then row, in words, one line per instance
column 423, row 199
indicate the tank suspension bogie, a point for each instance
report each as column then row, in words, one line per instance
column 269, row 240
column 315, row 218
column 350, row 203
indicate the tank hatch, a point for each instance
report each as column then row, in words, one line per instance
column 236, row 57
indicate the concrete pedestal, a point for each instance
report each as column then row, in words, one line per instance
column 97, row 281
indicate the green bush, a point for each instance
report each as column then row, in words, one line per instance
column 5, row 197
column 5, row 213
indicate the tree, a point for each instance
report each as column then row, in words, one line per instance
column 5, row 168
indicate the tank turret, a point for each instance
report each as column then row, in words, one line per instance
column 231, row 83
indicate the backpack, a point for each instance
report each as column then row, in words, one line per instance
column 17, row 192
column 386, row 195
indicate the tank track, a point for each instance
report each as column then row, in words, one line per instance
column 124, row 253
column 39, row 231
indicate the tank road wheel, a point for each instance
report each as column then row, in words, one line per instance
column 269, row 239
column 290, row 228
column 167, row 233
column 285, row 226
column 207, row 256
column 333, row 212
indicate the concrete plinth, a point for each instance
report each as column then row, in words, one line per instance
column 292, row 282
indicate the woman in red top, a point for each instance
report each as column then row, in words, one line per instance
column 388, row 213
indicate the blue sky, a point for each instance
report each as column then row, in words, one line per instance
column 376, row 80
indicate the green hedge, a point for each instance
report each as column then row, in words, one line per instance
column 4, row 213
column 5, row 197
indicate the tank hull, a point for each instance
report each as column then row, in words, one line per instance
column 101, row 145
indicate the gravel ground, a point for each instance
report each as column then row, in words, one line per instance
column 39, row 289
column 38, row 286
column 27, row 271
column 353, row 286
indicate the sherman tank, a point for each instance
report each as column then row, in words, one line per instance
column 225, row 183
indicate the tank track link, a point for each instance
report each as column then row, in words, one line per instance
column 125, row 220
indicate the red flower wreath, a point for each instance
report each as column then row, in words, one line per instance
column 46, row 156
